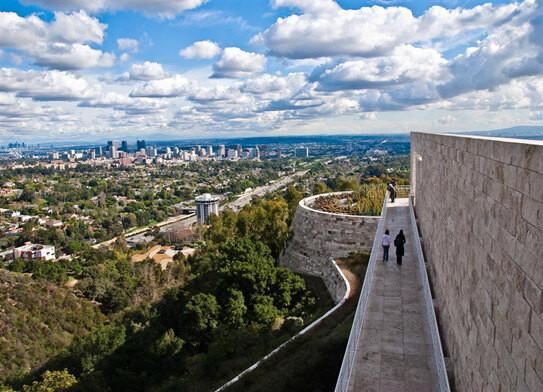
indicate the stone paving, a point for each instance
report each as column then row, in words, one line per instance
column 394, row 350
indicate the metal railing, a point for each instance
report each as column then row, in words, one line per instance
column 402, row 191
column 349, row 359
column 439, row 360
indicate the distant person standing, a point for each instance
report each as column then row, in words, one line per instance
column 386, row 245
column 399, row 243
column 392, row 191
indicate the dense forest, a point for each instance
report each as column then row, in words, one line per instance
column 217, row 306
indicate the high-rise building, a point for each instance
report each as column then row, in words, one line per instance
column 124, row 146
column 301, row 152
column 222, row 150
column 99, row 151
column 151, row 151
column 232, row 153
column 206, row 205
column 140, row 144
column 209, row 150
column 113, row 151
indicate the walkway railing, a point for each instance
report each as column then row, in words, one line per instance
column 437, row 350
column 402, row 191
column 349, row 358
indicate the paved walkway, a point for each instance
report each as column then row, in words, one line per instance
column 394, row 350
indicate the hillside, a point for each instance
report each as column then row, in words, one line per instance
column 37, row 321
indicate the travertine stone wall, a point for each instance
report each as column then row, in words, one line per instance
column 319, row 236
column 479, row 204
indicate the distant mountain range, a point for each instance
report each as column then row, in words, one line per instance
column 521, row 132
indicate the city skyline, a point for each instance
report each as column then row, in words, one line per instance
column 184, row 69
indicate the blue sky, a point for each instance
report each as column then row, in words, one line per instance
column 79, row 70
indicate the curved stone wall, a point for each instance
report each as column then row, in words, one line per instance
column 319, row 236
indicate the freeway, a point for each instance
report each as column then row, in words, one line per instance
column 181, row 221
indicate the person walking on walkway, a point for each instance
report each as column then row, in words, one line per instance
column 392, row 191
column 386, row 245
column 399, row 243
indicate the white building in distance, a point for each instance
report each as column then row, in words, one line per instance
column 34, row 252
column 206, row 205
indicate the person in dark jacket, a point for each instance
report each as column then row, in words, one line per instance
column 391, row 191
column 399, row 243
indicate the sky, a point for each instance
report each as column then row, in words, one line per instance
column 80, row 70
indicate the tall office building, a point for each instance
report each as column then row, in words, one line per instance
column 206, row 205
column 140, row 144
column 222, row 150
column 124, row 146
column 301, row 152
column 209, row 150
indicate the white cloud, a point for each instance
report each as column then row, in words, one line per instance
column 405, row 64
column 164, row 88
column 146, row 71
column 61, row 44
column 128, row 45
column 324, row 29
column 513, row 50
column 518, row 94
column 131, row 106
column 166, row 9
column 75, row 56
column 236, row 63
column 369, row 116
column 46, row 85
column 309, row 6
column 446, row 120
column 206, row 95
column 77, row 27
column 201, row 50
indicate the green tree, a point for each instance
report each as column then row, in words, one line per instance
column 52, row 381
column 235, row 309
column 200, row 317
column 92, row 348
column 168, row 344
column 265, row 313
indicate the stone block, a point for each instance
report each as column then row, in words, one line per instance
column 533, row 381
column 532, row 213
column 536, row 330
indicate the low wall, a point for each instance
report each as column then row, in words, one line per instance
column 319, row 236
column 479, row 204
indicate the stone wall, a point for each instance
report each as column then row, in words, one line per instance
column 479, row 204
column 319, row 236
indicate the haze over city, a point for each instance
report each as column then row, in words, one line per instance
column 73, row 70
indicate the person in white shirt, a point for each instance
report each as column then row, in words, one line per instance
column 386, row 245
